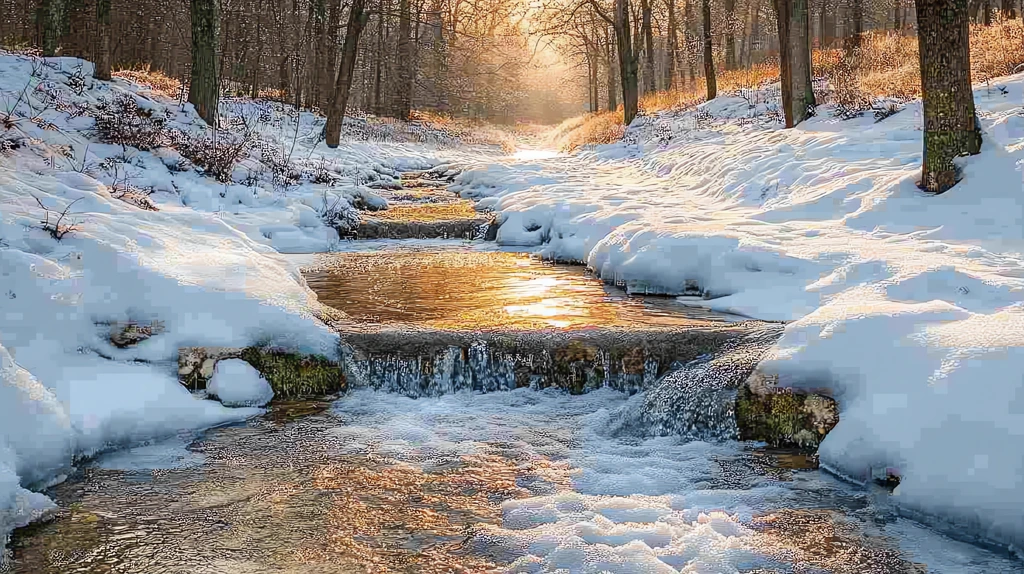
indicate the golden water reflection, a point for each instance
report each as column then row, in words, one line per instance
column 473, row 290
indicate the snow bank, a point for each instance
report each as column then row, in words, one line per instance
column 907, row 306
column 236, row 383
column 195, row 264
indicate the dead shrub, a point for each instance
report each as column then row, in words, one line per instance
column 216, row 154
column 122, row 122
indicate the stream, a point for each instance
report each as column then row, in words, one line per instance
column 486, row 465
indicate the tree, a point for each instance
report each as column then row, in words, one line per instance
column 204, row 86
column 672, row 51
column 650, row 83
column 1008, row 10
column 103, row 30
column 709, row 60
column 403, row 91
column 357, row 19
column 950, row 125
column 793, row 19
column 628, row 66
column 54, row 19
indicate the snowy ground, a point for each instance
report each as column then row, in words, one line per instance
column 909, row 307
column 200, row 266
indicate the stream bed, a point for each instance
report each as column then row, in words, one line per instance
column 526, row 478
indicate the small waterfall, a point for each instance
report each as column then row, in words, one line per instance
column 698, row 400
column 419, row 364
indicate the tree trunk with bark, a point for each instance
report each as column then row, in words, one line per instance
column 1008, row 9
column 54, row 18
column 856, row 16
column 650, row 82
column 793, row 21
column 204, row 85
column 709, row 56
column 403, row 91
column 627, row 62
column 672, row 49
column 730, row 36
column 103, row 48
column 357, row 18
column 613, row 89
column 950, row 125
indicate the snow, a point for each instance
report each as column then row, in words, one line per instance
column 202, row 269
column 236, row 383
column 631, row 504
column 908, row 307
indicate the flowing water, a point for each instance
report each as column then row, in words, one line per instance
column 529, row 478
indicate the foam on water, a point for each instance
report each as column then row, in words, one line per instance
column 633, row 504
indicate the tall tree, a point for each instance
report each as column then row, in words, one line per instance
column 54, row 19
column 950, row 125
column 793, row 22
column 357, row 19
column 103, row 31
column 609, row 56
column 672, row 49
column 650, row 82
column 204, row 85
column 403, row 91
column 1008, row 9
column 709, row 55
column 628, row 65
column 730, row 35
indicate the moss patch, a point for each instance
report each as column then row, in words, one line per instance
column 783, row 418
column 292, row 375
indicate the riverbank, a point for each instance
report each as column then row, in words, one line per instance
column 909, row 307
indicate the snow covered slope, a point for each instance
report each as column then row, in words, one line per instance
column 909, row 307
column 157, row 243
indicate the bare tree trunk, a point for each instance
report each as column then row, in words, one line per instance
column 403, row 92
column 709, row 56
column 613, row 103
column 357, row 18
column 691, row 57
column 793, row 19
column 1007, row 8
column 378, row 67
column 987, row 14
column 856, row 16
column 627, row 62
column 103, row 30
column 204, row 86
column 755, row 32
column 672, row 50
column 54, row 17
column 730, row 36
column 650, row 82
column 950, row 125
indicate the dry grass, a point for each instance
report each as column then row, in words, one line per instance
column 595, row 128
column 465, row 130
column 885, row 66
column 155, row 80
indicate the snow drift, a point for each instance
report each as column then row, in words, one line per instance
column 909, row 307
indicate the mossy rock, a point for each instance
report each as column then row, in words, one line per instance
column 784, row 417
column 292, row 375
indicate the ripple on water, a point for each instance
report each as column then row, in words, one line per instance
column 521, row 481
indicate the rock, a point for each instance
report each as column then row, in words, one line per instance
column 124, row 334
column 290, row 375
column 783, row 417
